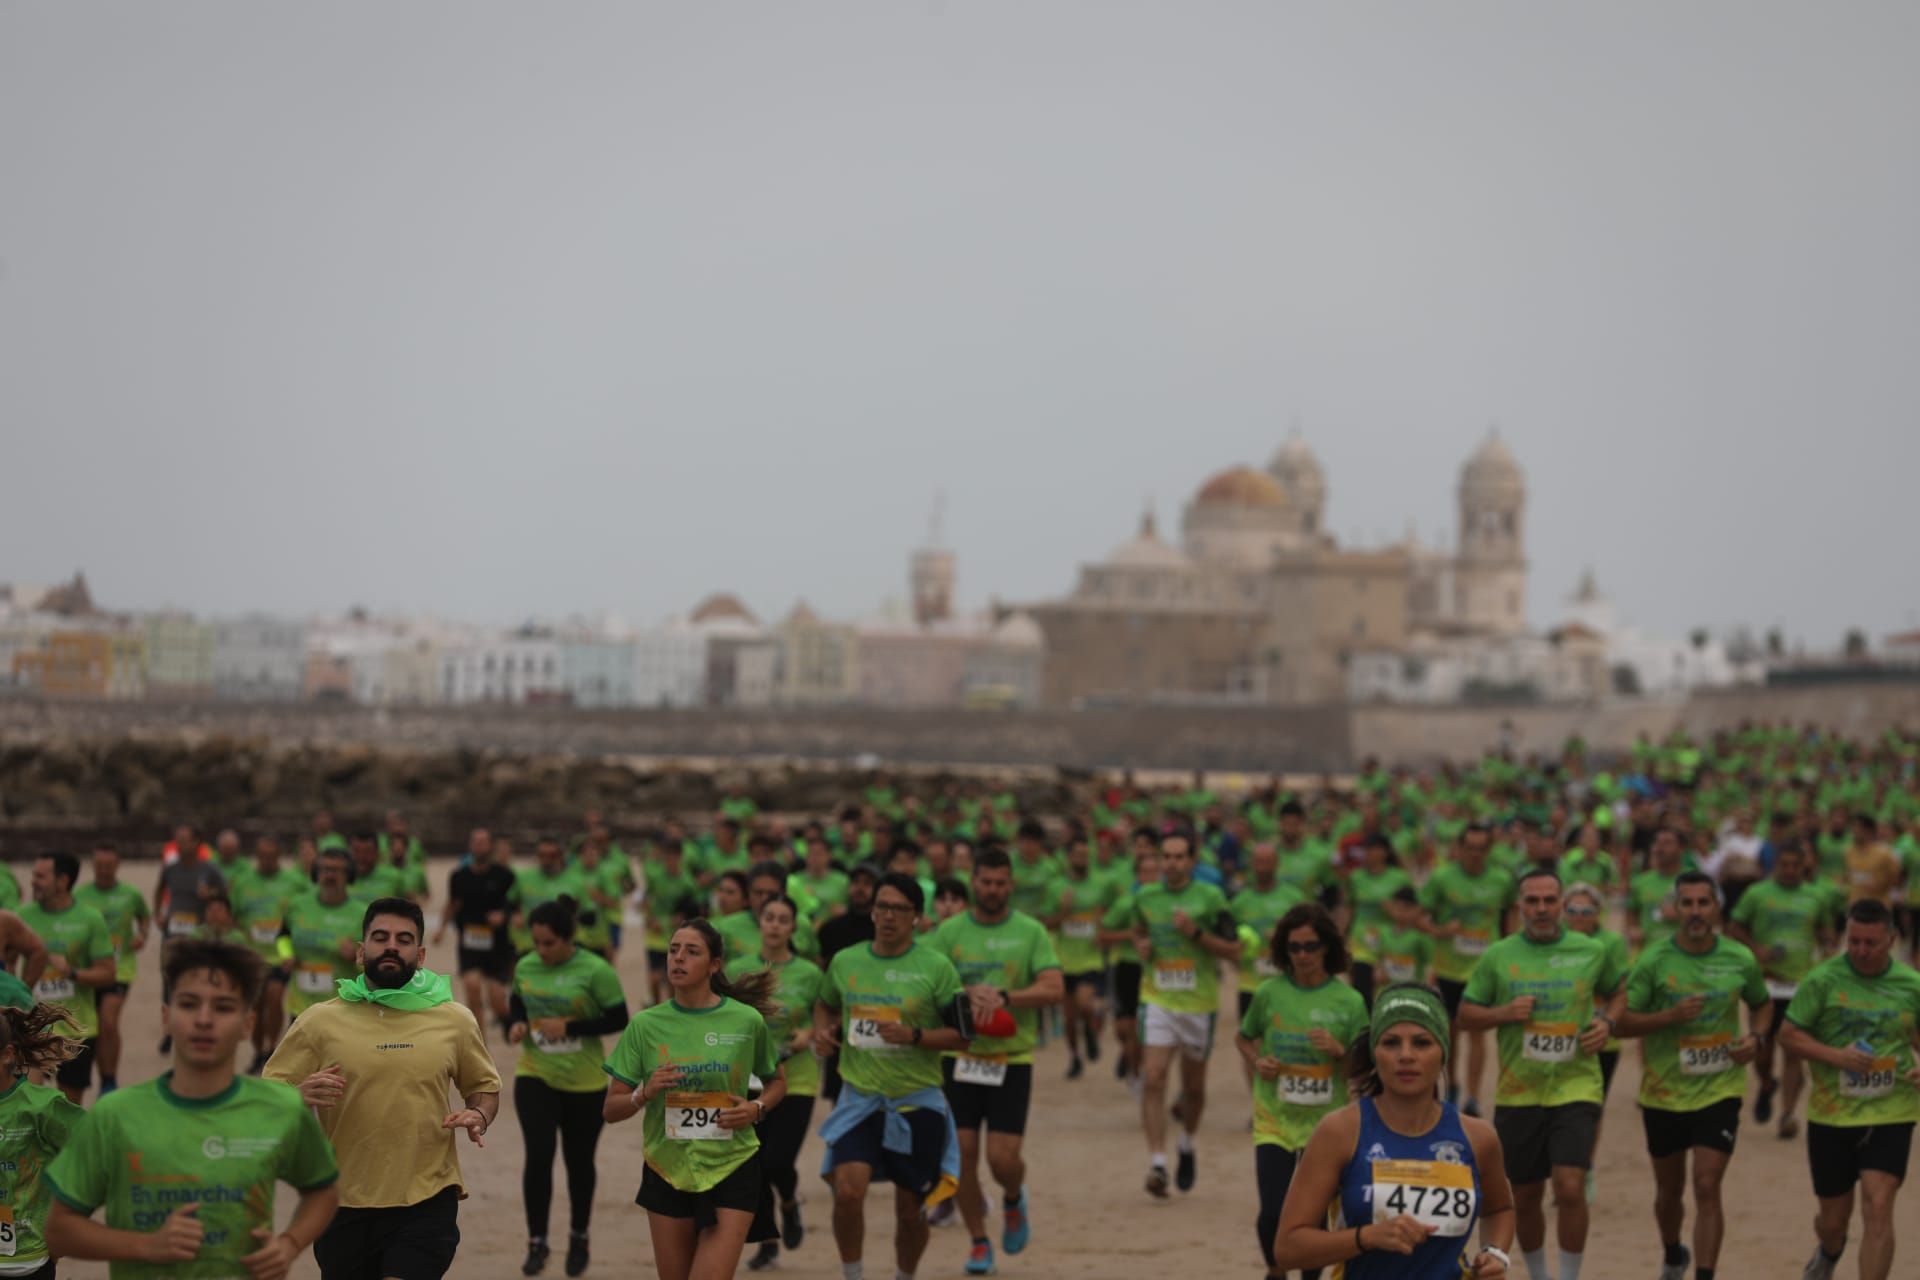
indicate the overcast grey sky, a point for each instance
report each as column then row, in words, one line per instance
column 498, row 310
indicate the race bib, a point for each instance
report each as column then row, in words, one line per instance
column 863, row 1026
column 264, row 934
column 54, row 988
column 1551, row 1042
column 1396, row 970
column 1782, row 990
column 1302, row 1085
column 695, row 1117
column 561, row 1044
column 181, row 923
column 1176, row 975
column 1471, row 942
column 1875, row 1082
column 1436, row 1193
column 476, row 937
column 991, row 1072
column 1265, row 967
column 8, row 1240
column 315, row 981
column 1079, row 930
column 1706, row 1055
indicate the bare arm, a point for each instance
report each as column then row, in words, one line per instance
column 76, row 1235
column 24, row 942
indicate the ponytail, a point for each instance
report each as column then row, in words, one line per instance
column 30, row 1034
column 755, row 990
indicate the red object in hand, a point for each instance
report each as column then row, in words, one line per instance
column 999, row 1025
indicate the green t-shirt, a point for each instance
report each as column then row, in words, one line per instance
column 9, row 889
column 716, row 1049
column 533, row 886
column 1312, row 1083
column 1541, row 1062
column 143, row 1152
column 1179, row 974
column 1785, row 927
column 1838, row 1006
column 80, row 934
column 584, row 987
column 1309, row 869
column 1085, row 903
column 607, row 879
column 123, row 907
column 741, row 933
column 1036, row 887
column 36, row 1122
column 800, row 984
column 1596, row 869
column 1260, row 910
column 666, row 890
column 314, row 931
column 384, row 881
column 260, row 904
column 1010, row 955
column 714, row 864
column 828, row 891
column 1647, row 893
column 913, row 989
column 1616, row 945
column 1478, row 904
column 1404, row 955
column 1688, row 1067
column 1369, row 893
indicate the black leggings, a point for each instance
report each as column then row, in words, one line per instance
column 1273, row 1173
column 781, row 1134
column 574, row 1118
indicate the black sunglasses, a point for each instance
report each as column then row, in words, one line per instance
column 1304, row 948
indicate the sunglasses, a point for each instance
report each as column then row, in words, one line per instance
column 1582, row 912
column 1304, row 948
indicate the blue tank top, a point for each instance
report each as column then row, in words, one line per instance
column 1432, row 1177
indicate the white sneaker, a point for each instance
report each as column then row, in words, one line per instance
column 1819, row 1266
column 1677, row 1270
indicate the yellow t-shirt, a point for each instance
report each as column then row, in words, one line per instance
column 1872, row 872
column 386, row 1130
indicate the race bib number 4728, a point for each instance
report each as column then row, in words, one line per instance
column 1436, row 1193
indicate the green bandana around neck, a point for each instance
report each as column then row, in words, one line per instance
column 426, row 990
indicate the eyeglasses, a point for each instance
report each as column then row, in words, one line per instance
column 1582, row 912
column 893, row 908
column 1304, row 948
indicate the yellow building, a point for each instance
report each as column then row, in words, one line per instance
column 83, row 664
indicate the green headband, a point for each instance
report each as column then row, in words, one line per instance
column 1419, row 1005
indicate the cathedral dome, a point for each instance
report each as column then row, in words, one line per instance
column 1241, row 487
column 1145, row 550
column 1294, row 460
column 1492, row 466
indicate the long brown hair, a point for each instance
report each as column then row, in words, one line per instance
column 755, row 990
column 30, row 1034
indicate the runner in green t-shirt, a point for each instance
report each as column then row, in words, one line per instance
column 1369, row 888
column 125, row 910
column 546, row 880
column 1791, row 916
column 322, row 933
column 1854, row 1020
column 80, row 961
column 564, row 998
column 1684, row 996
column 260, row 894
column 688, row 1064
column 672, row 892
column 35, row 1124
column 1469, row 906
column 1182, row 930
column 186, row 1165
column 1294, row 1036
column 1652, row 915
column 1084, row 898
column 1116, row 934
column 891, row 1006
column 1406, row 950
column 781, row 1134
column 1554, row 996
column 1005, row 960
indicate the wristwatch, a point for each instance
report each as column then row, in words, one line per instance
column 1506, row 1263
column 917, row 1033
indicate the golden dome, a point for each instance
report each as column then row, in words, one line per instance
column 1241, row 487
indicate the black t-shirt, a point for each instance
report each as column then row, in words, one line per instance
column 480, row 893
column 841, row 932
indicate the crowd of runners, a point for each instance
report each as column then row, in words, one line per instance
column 891, row 976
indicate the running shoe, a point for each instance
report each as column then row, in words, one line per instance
column 1019, row 1227
column 577, row 1257
column 1075, row 1067
column 1677, row 1270
column 1789, row 1127
column 1763, row 1105
column 765, row 1259
column 1157, row 1182
column 1120, row 1067
column 537, row 1255
column 1819, row 1266
column 1185, row 1172
column 941, row 1214
column 1093, row 1047
column 793, row 1232
column 980, row 1259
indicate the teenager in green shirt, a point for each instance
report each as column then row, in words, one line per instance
column 685, row 1067
column 125, row 910
column 564, row 998
column 212, row 1146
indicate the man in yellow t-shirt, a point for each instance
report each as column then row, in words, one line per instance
column 1873, row 870
column 375, row 1063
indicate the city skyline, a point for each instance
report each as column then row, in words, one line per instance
column 654, row 304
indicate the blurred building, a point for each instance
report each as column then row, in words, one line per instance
column 259, row 659
column 523, row 667
column 819, row 661
column 598, row 671
column 179, row 649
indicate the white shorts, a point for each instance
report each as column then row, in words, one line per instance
column 1193, row 1032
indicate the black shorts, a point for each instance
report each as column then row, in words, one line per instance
column 738, row 1190
column 1002, row 1107
column 1609, row 1063
column 77, row 1072
column 1779, row 1019
column 496, row 964
column 1837, row 1154
column 1535, row 1141
column 916, row 1170
column 1095, row 979
column 1245, row 1003
column 115, row 989
column 1126, row 990
column 1671, row 1132
column 407, row 1242
column 1450, row 993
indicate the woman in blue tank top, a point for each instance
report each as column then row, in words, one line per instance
column 1391, row 1187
